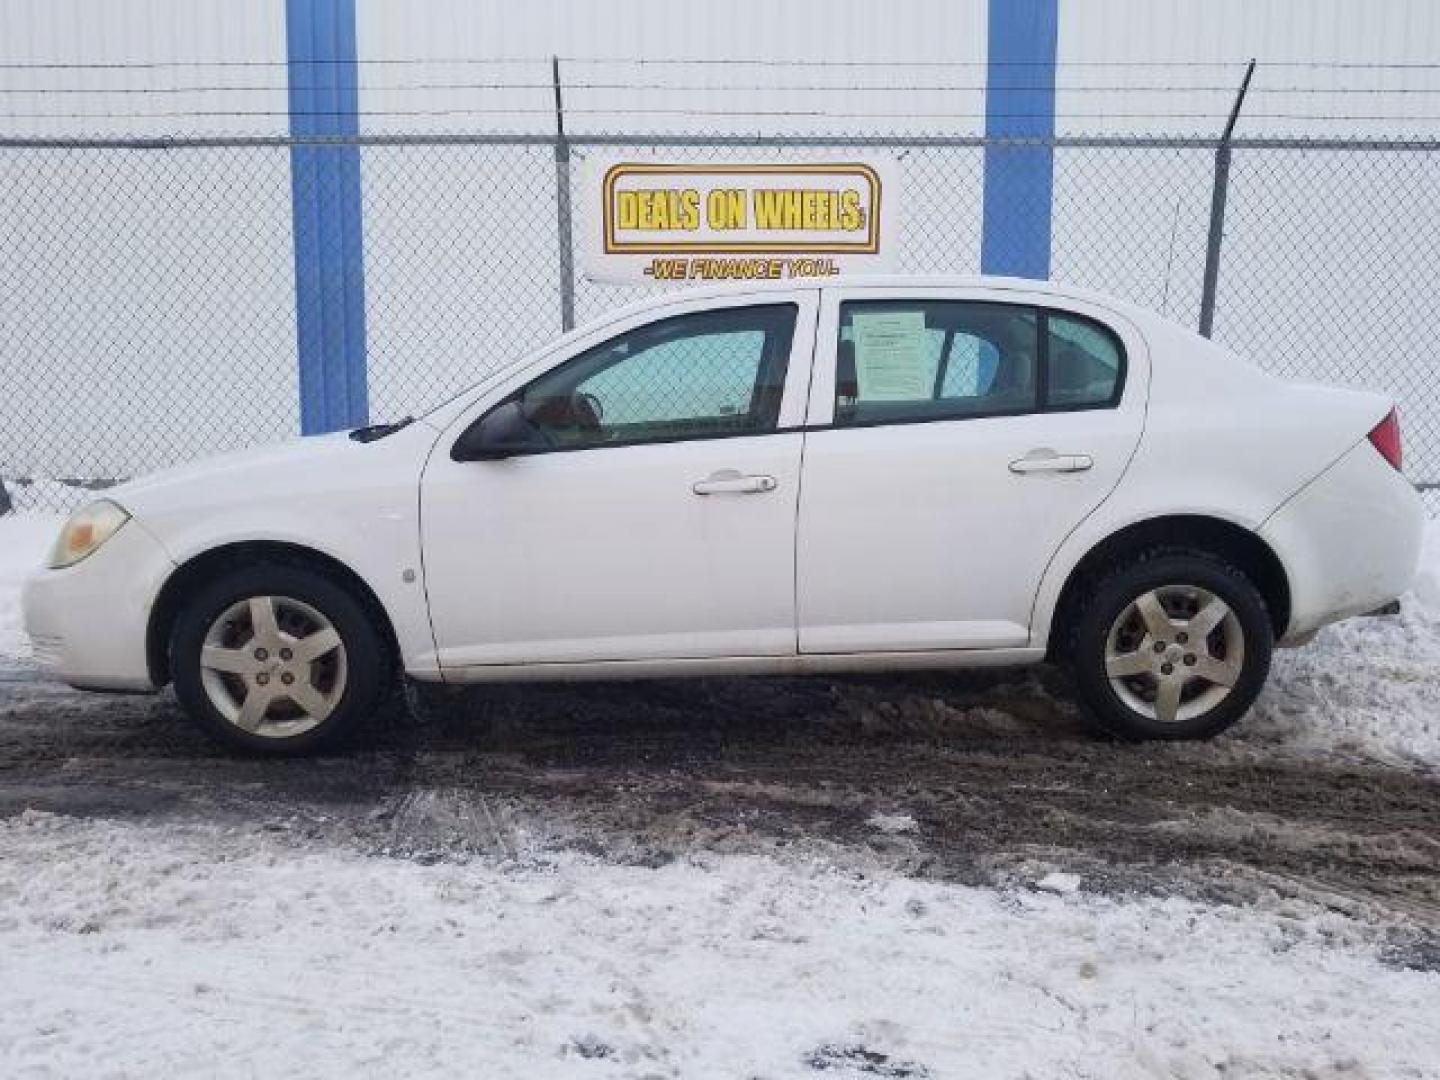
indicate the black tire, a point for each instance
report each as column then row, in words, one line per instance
column 1108, row 597
column 368, row 662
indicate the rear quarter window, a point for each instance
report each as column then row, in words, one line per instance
column 1084, row 362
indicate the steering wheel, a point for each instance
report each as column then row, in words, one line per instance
column 587, row 410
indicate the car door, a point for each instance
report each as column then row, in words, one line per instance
column 658, row 523
column 955, row 438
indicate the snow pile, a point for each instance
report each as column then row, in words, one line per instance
column 187, row 951
column 893, row 823
column 24, row 541
column 1060, row 884
column 1364, row 687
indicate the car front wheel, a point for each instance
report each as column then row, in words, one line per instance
column 1173, row 645
column 277, row 659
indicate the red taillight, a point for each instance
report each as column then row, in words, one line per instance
column 1385, row 437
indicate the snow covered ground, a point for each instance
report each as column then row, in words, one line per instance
column 1365, row 688
column 196, row 951
column 24, row 541
column 161, row 947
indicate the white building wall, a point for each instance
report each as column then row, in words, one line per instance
column 149, row 312
column 205, row 66
column 142, row 67
column 1181, row 63
column 152, row 291
column 778, row 88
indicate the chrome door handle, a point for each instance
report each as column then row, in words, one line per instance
column 1038, row 461
column 732, row 482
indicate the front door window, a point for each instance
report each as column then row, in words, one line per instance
column 696, row 376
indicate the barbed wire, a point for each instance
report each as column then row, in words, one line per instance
column 832, row 105
column 1108, row 88
column 779, row 62
column 705, row 113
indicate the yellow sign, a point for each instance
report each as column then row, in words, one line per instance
column 694, row 222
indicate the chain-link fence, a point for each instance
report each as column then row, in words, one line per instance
column 148, row 313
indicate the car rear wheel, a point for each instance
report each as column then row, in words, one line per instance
column 277, row 659
column 1173, row 645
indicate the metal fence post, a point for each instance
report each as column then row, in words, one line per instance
column 563, row 223
column 1218, row 191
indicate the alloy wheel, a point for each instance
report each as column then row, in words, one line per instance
column 1174, row 653
column 273, row 666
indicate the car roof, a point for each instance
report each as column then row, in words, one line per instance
column 993, row 283
column 657, row 300
column 890, row 281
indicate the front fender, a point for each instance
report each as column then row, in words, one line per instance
column 357, row 504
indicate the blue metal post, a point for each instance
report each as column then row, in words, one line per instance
column 1019, row 104
column 325, row 189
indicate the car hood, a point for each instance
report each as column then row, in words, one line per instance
column 315, row 462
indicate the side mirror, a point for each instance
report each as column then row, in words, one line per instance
column 501, row 433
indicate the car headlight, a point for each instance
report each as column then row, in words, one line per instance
column 85, row 532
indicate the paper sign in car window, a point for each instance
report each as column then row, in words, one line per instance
column 890, row 356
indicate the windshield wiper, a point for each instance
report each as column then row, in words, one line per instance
column 379, row 431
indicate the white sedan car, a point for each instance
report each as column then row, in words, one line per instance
column 871, row 475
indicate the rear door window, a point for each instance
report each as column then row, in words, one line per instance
column 906, row 360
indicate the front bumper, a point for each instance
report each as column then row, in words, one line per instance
column 87, row 623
